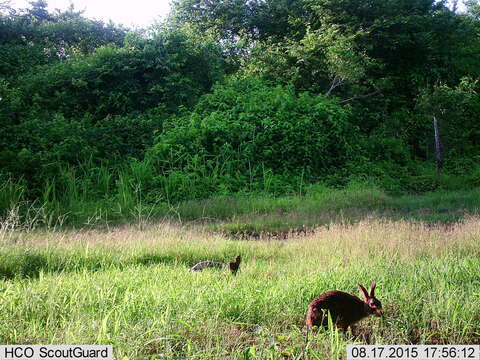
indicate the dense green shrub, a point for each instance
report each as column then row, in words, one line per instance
column 104, row 107
column 168, row 69
column 52, row 144
column 246, row 129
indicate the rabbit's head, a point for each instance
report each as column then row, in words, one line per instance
column 372, row 304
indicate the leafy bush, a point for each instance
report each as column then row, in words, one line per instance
column 106, row 106
column 250, row 134
column 168, row 69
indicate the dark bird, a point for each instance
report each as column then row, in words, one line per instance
column 233, row 265
column 344, row 309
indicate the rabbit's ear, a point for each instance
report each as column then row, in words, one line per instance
column 363, row 291
column 372, row 288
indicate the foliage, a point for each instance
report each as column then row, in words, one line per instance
column 237, row 96
column 36, row 37
column 473, row 8
column 248, row 128
column 456, row 109
column 232, row 19
column 167, row 69
column 105, row 107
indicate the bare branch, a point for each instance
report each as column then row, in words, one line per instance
column 337, row 81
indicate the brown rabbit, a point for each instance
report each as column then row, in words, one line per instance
column 345, row 309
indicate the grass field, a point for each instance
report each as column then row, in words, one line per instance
column 129, row 285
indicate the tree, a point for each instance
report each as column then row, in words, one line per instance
column 39, row 11
column 34, row 37
column 5, row 6
column 231, row 20
column 452, row 111
column 168, row 69
column 473, row 9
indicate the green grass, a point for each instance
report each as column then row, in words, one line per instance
column 320, row 206
column 93, row 200
column 130, row 287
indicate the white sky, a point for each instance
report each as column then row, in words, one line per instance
column 126, row 12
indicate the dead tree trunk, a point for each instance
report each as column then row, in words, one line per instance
column 438, row 152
